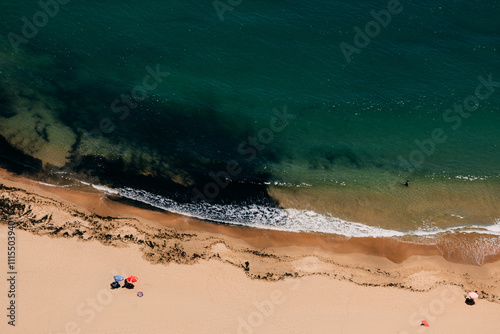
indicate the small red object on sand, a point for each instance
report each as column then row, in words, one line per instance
column 424, row 323
column 132, row 279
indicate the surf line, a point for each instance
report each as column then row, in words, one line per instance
column 250, row 149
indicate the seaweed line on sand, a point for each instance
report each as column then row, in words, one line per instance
column 45, row 216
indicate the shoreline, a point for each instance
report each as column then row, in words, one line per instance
column 91, row 236
column 95, row 202
column 99, row 213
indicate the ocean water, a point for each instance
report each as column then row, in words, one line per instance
column 251, row 113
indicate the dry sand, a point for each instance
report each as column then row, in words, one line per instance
column 195, row 276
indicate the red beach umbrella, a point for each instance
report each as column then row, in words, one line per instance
column 132, row 279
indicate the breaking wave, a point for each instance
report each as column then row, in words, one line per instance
column 291, row 220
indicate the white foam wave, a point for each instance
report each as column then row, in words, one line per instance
column 105, row 189
column 291, row 220
column 288, row 184
column 52, row 185
column 471, row 177
column 475, row 251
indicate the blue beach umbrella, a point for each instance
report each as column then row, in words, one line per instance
column 119, row 278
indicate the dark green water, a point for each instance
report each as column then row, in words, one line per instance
column 269, row 91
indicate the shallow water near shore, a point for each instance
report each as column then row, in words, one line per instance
column 330, row 138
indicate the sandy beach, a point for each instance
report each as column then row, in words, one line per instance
column 251, row 167
column 199, row 277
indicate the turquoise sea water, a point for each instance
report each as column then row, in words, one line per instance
column 335, row 164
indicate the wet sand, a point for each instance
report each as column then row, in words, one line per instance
column 200, row 276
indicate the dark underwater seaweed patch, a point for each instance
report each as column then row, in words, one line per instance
column 16, row 161
column 6, row 109
column 192, row 139
column 41, row 130
column 117, row 174
column 189, row 138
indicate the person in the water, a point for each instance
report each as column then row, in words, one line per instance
column 407, row 183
